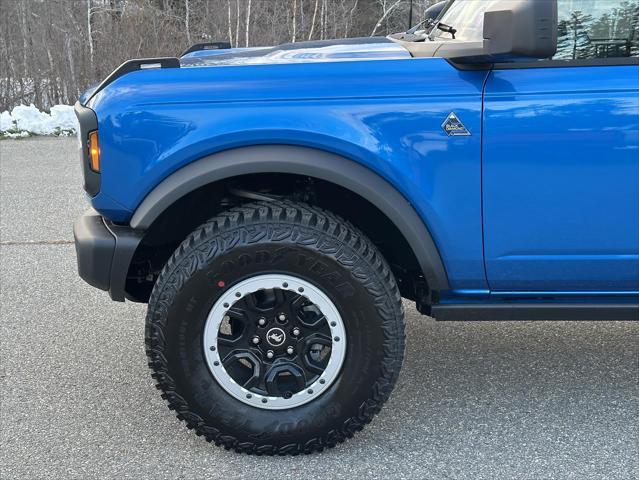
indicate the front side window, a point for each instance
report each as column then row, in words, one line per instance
column 597, row 29
column 467, row 18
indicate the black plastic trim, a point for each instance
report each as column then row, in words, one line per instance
column 88, row 123
column 94, row 246
column 126, row 242
column 206, row 46
column 104, row 252
column 472, row 67
column 536, row 311
column 584, row 62
column 134, row 65
column 301, row 161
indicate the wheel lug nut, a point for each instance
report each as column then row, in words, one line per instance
column 261, row 322
column 256, row 340
column 281, row 317
column 296, row 331
column 270, row 354
column 290, row 350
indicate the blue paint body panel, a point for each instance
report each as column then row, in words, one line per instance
column 384, row 114
column 561, row 179
column 541, row 199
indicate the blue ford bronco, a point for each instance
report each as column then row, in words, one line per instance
column 274, row 205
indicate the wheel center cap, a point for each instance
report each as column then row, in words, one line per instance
column 276, row 337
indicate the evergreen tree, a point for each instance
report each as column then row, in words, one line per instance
column 573, row 39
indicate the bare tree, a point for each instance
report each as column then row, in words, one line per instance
column 51, row 50
column 248, row 22
column 237, row 24
column 229, row 17
column 386, row 11
column 310, row 34
column 89, row 32
column 294, row 21
column 187, row 19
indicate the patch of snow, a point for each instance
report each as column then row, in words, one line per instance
column 15, row 135
column 64, row 118
column 30, row 119
column 24, row 120
column 6, row 122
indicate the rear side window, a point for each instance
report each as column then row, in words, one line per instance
column 597, row 29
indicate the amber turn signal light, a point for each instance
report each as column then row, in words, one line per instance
column 94, row 152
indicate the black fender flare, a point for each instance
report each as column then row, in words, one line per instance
column 302, row 161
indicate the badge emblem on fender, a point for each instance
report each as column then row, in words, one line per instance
column 454, row 127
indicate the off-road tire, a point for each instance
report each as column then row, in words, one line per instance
column 272, row 237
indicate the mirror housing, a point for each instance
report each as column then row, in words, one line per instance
column 521, row 28
column 512, row 29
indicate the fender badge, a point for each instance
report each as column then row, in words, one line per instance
column 454, row 127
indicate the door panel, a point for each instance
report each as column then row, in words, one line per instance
column 561, row 179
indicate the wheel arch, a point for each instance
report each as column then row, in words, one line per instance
column 309, row 162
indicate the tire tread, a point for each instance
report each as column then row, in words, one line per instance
column 332, row 236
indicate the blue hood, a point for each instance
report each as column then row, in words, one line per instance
column 366, row 48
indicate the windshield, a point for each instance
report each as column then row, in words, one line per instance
column 467, row 17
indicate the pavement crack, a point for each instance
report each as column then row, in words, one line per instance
column 36, row 242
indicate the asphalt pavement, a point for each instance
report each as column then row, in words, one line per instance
column 476, row 400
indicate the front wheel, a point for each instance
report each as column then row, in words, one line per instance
column 275, row 328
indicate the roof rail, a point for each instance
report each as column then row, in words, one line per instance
column 206, row 46
column 132, row 66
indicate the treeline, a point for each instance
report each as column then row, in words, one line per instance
column 51, row 50
column 614, row 33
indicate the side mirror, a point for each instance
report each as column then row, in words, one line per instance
column 510, row 29
column 521, row 28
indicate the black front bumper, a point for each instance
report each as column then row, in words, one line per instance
column 104, row 252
